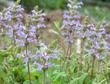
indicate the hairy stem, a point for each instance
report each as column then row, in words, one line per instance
column 44, row 77
column 29, row 74
column 81, row 54
column 92, row 71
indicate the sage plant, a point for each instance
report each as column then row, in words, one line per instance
column 23, row 29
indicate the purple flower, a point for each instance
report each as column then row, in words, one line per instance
column 43, row 60
column 30, row 40
column 20, row 26
column 45, row 56
column 38, row 54
column 22, row 34
column 66, row 15
column 48, row 64
column 32, row 28
column 41, row 19
column 76, row 16
column 39, row 66
column 20, row 42
column 40, row 25
column 98, row 55
column 26, row 59
column 17, row 55
column 1, row 16
column 8, row 15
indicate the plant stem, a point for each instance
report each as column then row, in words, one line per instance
column 44, row 77
column 92, row 71
column 29, row 74
column 14, row 42
column 81, row 54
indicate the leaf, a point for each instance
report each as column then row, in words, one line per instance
column 57, row 24
column 3, row 54
column 58, row 75
column 27, row 82
column 103, row 81
column 2, row 74
column 79, row 80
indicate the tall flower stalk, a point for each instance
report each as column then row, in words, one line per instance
column 71, row 27
column 95, row 43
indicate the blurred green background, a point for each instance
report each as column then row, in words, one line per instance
column 44, row 4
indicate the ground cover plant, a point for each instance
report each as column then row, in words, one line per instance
column 79, row 53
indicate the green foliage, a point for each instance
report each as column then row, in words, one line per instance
column 52, row 4
column 96, row 12
column 44, row 4
column 80, row 79
column 3, row 54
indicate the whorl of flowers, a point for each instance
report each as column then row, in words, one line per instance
column 42, row 58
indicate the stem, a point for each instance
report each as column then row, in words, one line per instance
column 29, row 74
column 92, row 71
column 81, row 54
column 14, row 42
column 66, row 55
column 14, row 45
column 70, row 52
column 44, row 77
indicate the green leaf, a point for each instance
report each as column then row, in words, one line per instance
column 58, row 75
column 57, row 25
column 3, row 54
column 79, row 80
column 2, row 74
column 27, row 82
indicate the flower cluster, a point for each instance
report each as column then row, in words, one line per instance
column 96, row 42
column 71, row 22
column 42, row 58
